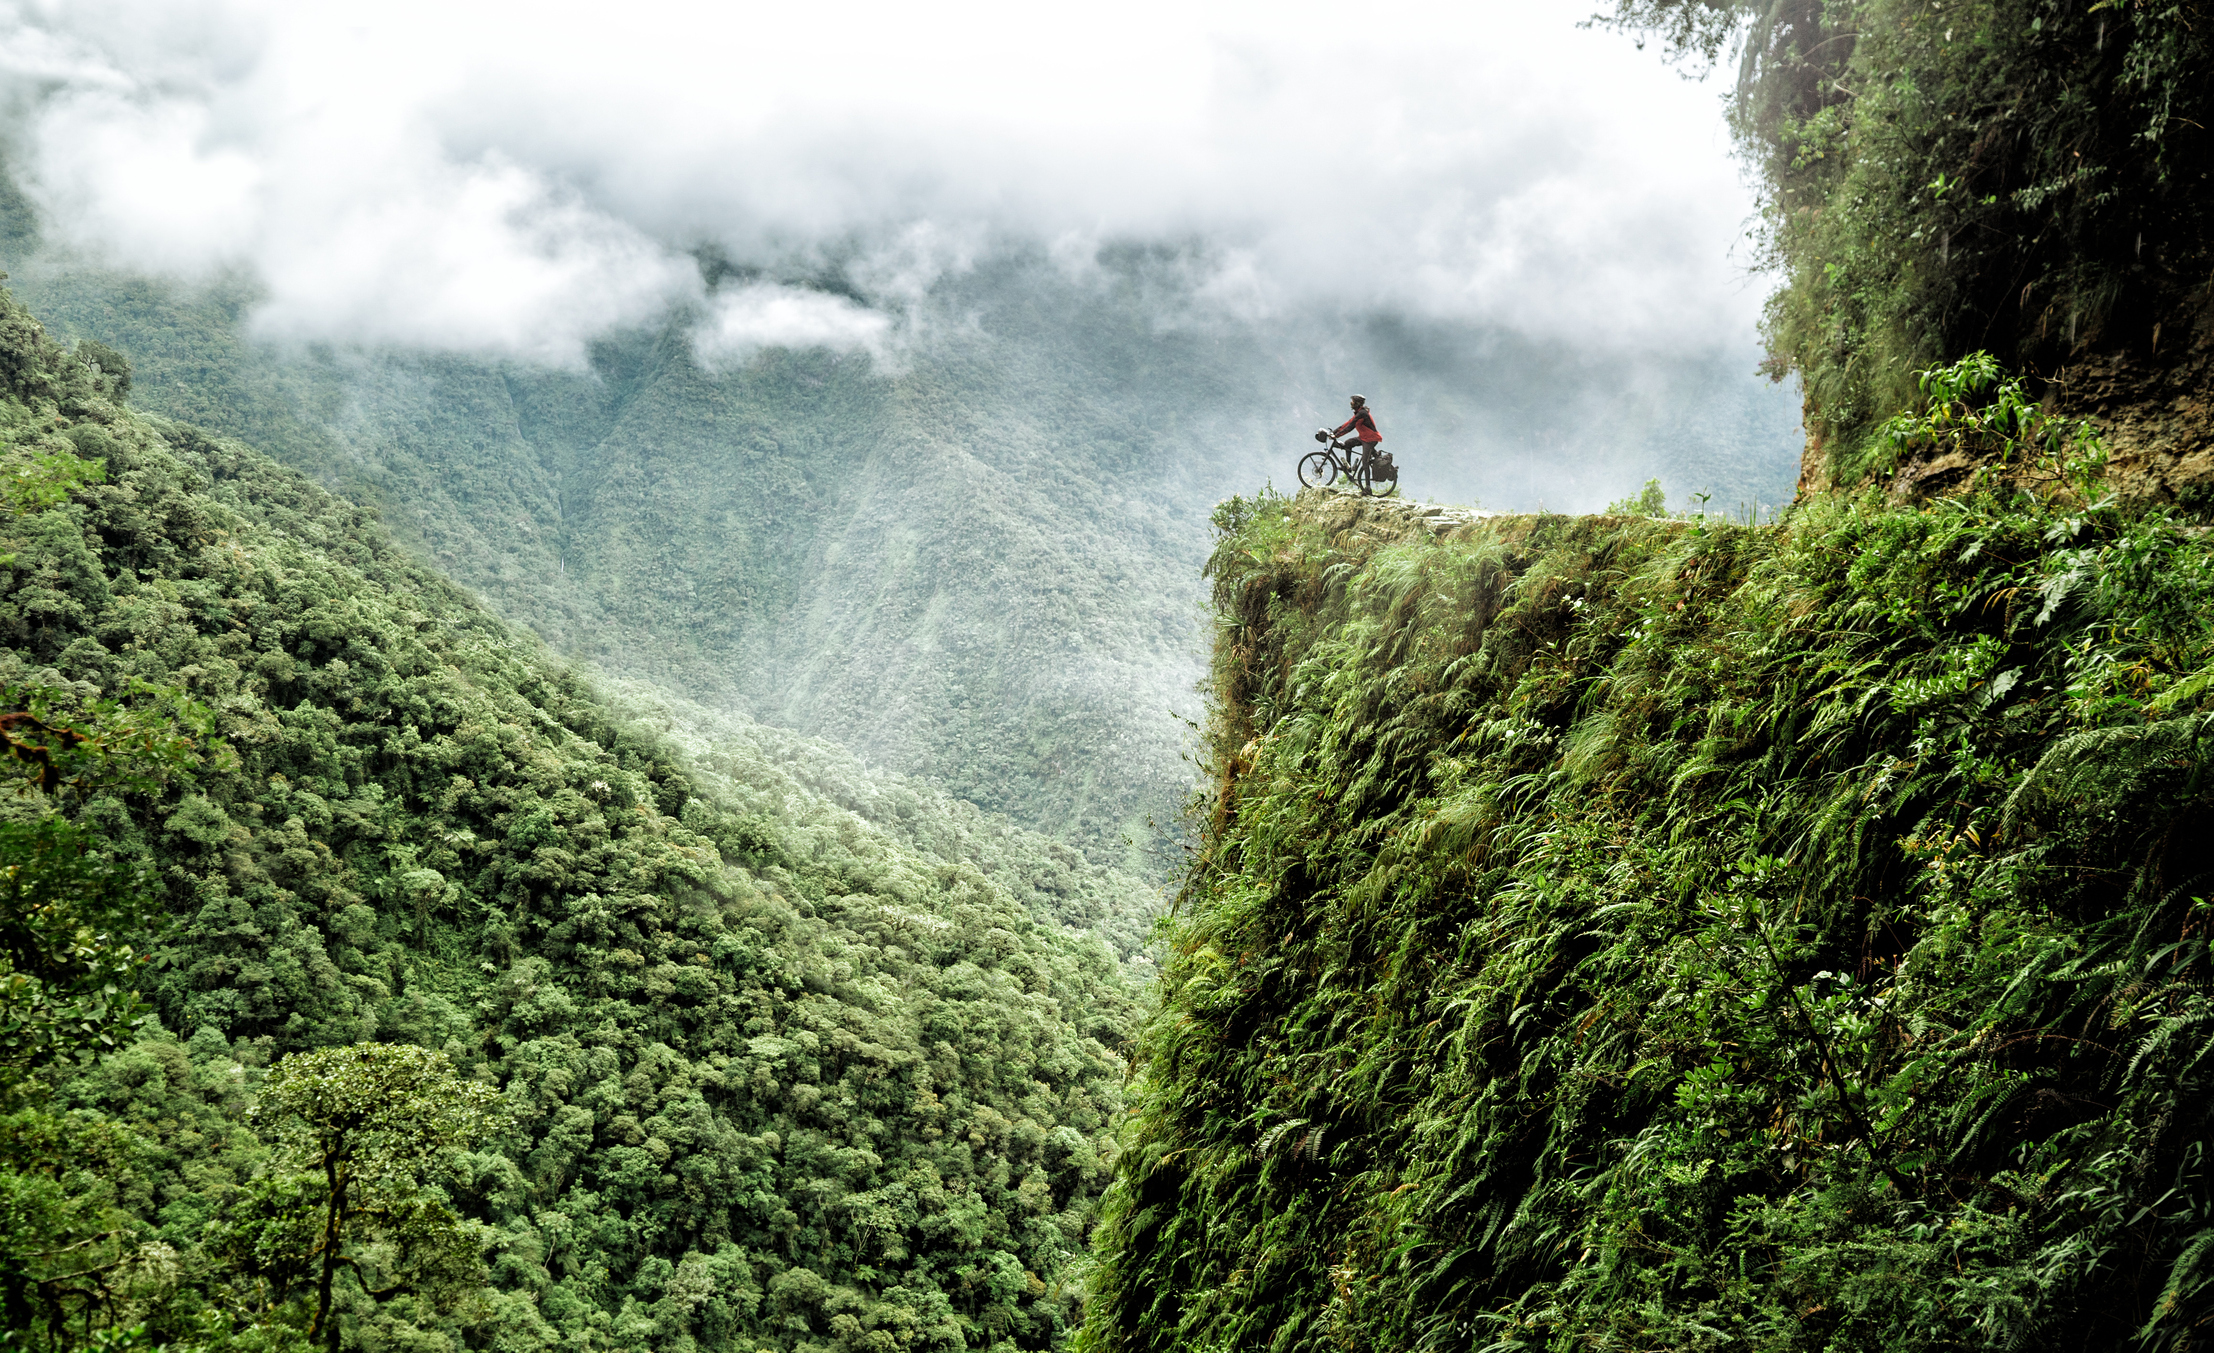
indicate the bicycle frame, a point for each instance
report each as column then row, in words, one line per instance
column 1352, row 459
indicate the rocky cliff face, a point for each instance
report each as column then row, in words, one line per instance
column 2152, row 403
column 2157, row 409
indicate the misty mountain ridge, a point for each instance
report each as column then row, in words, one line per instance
column 970, row 556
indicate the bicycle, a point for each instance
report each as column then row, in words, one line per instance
column 1357, row 461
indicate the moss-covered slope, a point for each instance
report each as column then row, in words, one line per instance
column 1630, row 934
column 793, row 1054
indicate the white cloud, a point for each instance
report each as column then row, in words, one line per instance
column 484, row 256
column 272, row 149
column 146, row 181
column 744, row 320
column 515, row 178
column 906, row 266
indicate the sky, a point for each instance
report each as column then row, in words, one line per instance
column 512, row 179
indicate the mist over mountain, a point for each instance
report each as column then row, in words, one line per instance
column 895, row 423
column 468, row 178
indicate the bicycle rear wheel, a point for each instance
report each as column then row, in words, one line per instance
column 1318, row 469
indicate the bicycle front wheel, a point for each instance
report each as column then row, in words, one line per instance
column 1318, row 469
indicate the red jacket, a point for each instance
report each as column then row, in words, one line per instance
column 1364, row 424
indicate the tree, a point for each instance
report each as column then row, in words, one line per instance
column 376, row 1122
column 68, row 910
column 68, row 913
column 68, row 1255
column 111, row 369
column 65, row 971
column 2012, row 176
column 1651, row 501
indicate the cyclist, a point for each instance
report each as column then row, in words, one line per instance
column 1363, row 427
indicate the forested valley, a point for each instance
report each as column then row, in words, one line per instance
column 480, row 1006
column 435, row 920
column 433, row 932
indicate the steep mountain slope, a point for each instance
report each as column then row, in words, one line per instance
column 792, row 1054
column 1626, row 934
column 819, row 794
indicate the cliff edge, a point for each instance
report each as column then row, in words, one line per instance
column 1624, row 933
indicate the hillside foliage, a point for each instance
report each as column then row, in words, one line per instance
column 763, row 1050
column 2029, row 177
column 1616, row 933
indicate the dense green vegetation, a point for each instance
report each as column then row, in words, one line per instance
column 1632, row 933
column 2024, row 176
column 476, row 1012
column 822, row 798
